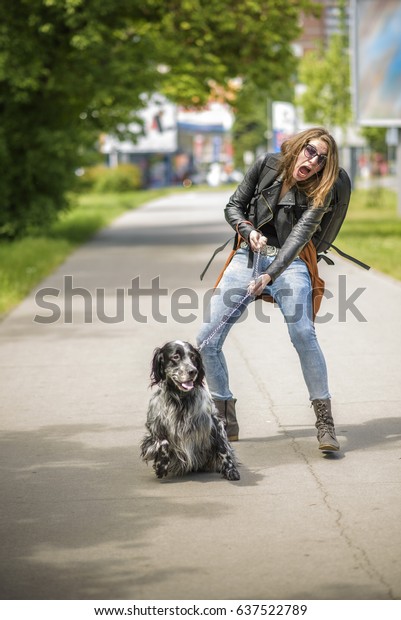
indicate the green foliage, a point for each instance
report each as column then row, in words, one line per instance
column 123, row 178
column 376, row 138
column 252, row 117
column 372, row 230
column 325, row 75
column 72, row 69
column 25, row 262
column 89, row 176
column 219, row 40
column 250, row 124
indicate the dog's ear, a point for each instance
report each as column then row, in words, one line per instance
column 199, row 365
column 157, row 372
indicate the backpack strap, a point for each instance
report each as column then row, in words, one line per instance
column 344, row 255
column 228, row 261
column 217, row 250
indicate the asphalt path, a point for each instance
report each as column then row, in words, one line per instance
column 83, row 518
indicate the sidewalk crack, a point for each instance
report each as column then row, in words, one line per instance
column 358, row 553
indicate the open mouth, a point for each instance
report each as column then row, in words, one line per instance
column 304, row 171
column 185, row 386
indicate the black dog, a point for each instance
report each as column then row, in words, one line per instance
column 184, row 432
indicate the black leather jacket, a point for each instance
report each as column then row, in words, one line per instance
column 247, row 204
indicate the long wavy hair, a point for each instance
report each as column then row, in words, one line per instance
column 319, row 185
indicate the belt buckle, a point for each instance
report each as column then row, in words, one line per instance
column 270, row 250
column 267, row 250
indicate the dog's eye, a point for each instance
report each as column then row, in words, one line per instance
column 176, row 357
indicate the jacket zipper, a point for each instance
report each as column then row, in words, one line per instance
column 269, row 219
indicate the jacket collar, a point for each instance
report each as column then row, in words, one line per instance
column 292, row 197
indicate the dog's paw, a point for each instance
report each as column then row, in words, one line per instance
column 161, row 470
column 161, row 467
column 232, row 474
column 161, row 462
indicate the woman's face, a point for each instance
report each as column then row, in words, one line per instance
column 311, row 159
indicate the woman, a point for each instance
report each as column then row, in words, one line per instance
column 275, row 225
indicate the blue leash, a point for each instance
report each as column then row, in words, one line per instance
column 227, row 317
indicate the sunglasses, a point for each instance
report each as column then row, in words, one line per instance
column 311, row 152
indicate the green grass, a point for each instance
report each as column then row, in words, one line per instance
column 25, row 262
column 372, row 230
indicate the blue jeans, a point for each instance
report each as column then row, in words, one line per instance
column 292, row 292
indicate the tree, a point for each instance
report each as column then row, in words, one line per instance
column 376, row 138
column 250, row 124
column 71, row 69
column 222, row 40
column 325, row 75
column 252, row 117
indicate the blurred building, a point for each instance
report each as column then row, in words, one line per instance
column 175, row 145
column 318, row 30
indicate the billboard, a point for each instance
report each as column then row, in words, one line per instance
column 377, row 62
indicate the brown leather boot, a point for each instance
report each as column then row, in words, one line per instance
column 326, row 433
column 226, row 412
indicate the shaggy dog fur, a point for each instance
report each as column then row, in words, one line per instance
column 184, row 433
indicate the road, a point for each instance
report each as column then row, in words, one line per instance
column 83, row 518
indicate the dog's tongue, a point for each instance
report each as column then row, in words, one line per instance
column 187, row 385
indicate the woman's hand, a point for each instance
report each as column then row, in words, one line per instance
column 256, row 240
column 256, row 287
